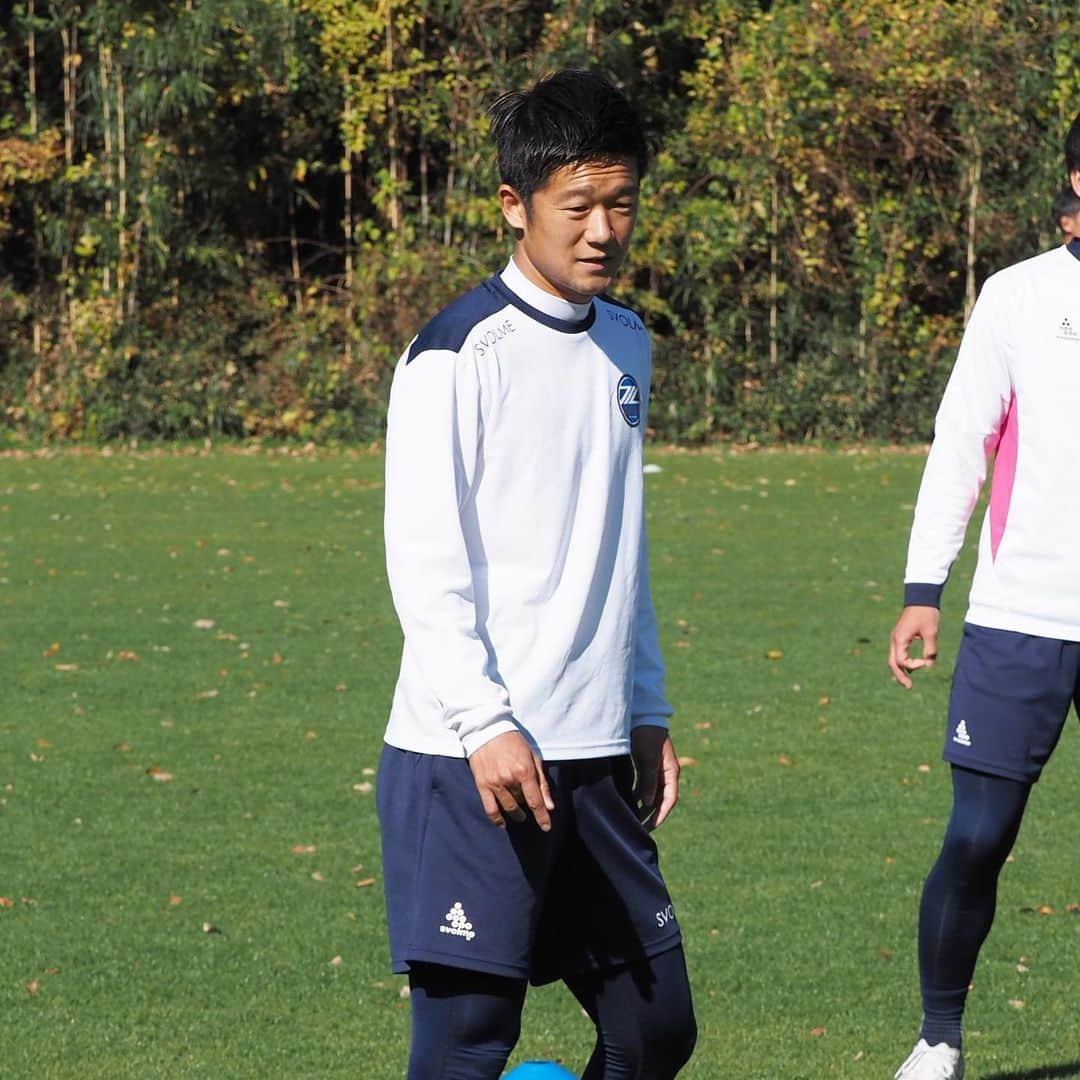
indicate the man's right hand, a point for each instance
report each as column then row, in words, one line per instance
column 510, row 778
column 915, row 622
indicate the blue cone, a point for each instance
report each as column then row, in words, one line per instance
column 539, row 1070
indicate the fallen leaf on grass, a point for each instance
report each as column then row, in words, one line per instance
column 337, row 961
column 6, row 901
column 924, row 768
column 703, row 726
column 317, row 876
column 404, row 992
column 1045, row 909
column 32, row 987
column 303, row 849
column 127, row 654
column 341, row 688
column 687, row 762
column 1016, row 1003
column 174, row 900
column 824, row 700
column 365, row 883
column 783, row 759
column 66, row 667
column 818, row 1032
column 204, row 624
column 817, row 884
column 52, row 650
column 365, row 788
column 774, row 654
column 159, row 774
column 208, row 693
column 210, row 928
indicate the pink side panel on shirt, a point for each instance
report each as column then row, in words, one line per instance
column 1004, row 475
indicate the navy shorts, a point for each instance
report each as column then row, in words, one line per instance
column 1010, row 697
column 519, row 902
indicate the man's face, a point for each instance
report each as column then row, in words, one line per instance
column 576, row 231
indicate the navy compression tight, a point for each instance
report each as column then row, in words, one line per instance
column 960, row 894
column 465, row 1023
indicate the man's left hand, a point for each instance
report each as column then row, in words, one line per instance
column 657, row 788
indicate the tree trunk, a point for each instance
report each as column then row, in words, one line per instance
column 774, row 273
column 348, row 222
column 392, row 129
column 104, row 66
column 69, row 38
column 121, row 213
column 31, row 50
column 974, row 180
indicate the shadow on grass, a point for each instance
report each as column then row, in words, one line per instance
column 1046, row 1072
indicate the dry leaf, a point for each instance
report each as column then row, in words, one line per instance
column 66, row 667
column 783, row 759
column 703, row 727
column 818, row 1032
column 405, row 991
column 210, row 928
column 174, row 900
column 278, row 658
column 365, row 883
column 52, row 650
column 824, row 700
column 208, row 693
column 204, row 624
column 1072, row 909
column 924, row 768
column 774, row 654
column 687, row 762
column 817, row 884
column 337, row 961
column 159, row 774
column 1045, row 909
column 1016, row 1003
column 365, row 788
column 32, row 987
column 303, row 849
column 317, row 876
column 127, row 654
column 6, row 901
column 341, row 688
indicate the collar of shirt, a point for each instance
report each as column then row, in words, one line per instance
column 533, row 295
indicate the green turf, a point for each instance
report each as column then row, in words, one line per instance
column 167, row 927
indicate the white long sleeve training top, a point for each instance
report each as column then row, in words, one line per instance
column 1013, row 393
column 515, row 527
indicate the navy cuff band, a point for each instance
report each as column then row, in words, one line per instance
column 922, row 594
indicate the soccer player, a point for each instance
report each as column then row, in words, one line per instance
column 1065, row 210
column 527, row 756
column 1011, row 393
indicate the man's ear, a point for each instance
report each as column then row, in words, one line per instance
column 517, row 214
column 1074, row 179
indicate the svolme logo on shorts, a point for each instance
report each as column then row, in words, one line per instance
column 459, row 923
column 961, row 736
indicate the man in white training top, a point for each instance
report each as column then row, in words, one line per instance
column 527, row 755
column 1013, row 394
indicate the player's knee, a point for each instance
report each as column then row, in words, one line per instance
column 972, row 850
column 671, row 1048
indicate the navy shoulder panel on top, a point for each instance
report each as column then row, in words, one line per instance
column 449, row 329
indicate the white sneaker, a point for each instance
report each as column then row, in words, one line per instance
column 926, row 1062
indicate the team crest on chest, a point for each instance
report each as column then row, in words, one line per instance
column 628, row 395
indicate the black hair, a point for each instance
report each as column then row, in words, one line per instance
column 568, row 118
column 1066, row 204
column 1072, row 147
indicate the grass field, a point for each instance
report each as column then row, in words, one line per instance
column 198, row 652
